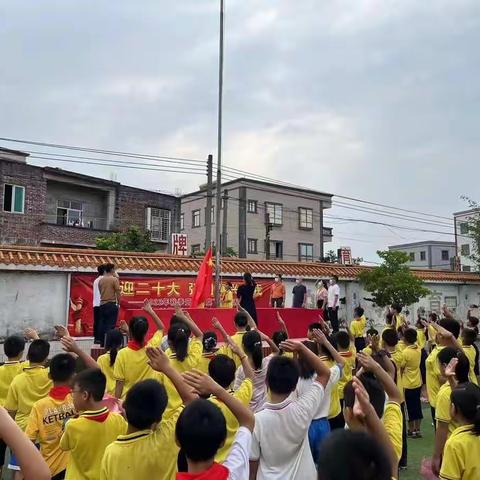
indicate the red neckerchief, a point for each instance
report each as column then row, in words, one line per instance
column 215, row 472
column 97, row 415
column 346, row 354
column 59, row 393
column 134, row 345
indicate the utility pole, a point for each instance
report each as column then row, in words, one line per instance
column 208, row 210
column 268, row 229
column 225, row 223
column 218, row 192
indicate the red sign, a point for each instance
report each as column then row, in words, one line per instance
column 163, row 292
column 179, row 244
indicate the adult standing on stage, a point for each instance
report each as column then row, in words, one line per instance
column 246, row 295
column 299, row 294
column 322, row 294
column 96, row 305
column 333, row 303
column 277, row 293
column 109, row 287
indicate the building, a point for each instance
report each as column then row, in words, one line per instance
column 464, row 241
column 263, row 220
column 51, row 206
column 428, row 254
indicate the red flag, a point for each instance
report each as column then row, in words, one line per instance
column 203, row 284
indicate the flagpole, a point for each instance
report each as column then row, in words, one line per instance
column 219, row 160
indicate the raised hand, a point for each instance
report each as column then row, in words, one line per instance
column 216, row 324
column 362, row 406
column 367, row 362
column 319, row 336
column 147, row 306
column 123, row 327
column 69, row 345
column 280, row 319
column 61, row 331
column 451, row 367
column 291, row 346
column 31, row 333
column 201, row 383
column 157, row 359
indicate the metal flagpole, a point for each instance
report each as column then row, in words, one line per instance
column 218, row 191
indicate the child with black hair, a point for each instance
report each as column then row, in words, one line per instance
column 454, row 366
column 148, row 450
column 348, row 352
column 372, row 342
column 106, row 361
column 469, row 336
column 87, row 436
column 281, row 335
column 431, row 332
column 158, row 336
column 48, row 415
column 210, row 350
column 389, row 322
column 357, row 328
column 461, row 458
column 276, row 455
column 201, row 430
column 399, row 318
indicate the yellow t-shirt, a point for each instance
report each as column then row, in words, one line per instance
column 244, row 394
column 107, row 369
column 205, row 360
column 86, row 439
column 433, row 375
column 399, row 360
column 347, row 372
column 392, row 421
column 357, row 327
column 237, row 338
column 191, row 361
column 143, row 455
column 421, row 338
column 399, row 320
column 227, row 299
column 45, row 426
column 461, row 455
column 335, row 405
column 8, row 371
column 411, row 377
column 432, row 335
column 27, row 388
column 156, row 339
column 131, row 367
column 442, row 409
column 401, row 345
column 470, row 353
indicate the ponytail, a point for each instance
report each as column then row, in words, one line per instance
column 113, row 343
column 178, row 339
column 252, row 344
column 138, row 329
column 466, row 400
column 209, row 342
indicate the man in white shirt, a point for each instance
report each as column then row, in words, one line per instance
column 96, row 305
column 280, row 448
column 333, row 303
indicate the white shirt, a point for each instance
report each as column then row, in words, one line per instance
column 237, row 461
column 280, row 438
column 96, row 292
column 333, row 291
column 304, row 384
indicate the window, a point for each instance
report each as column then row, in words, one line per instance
column 464, row 228
column 451, row 302
column 182, row 221
column 466, row 268
column 195, row 218
column 158, row 223
column 13, row 198
column 412, row 256
column 252, row 206
column 465, row 250
column 445, row 255
column 275, row 213
column 305, row 218
column 69, row 213
column 423, row 256
column 196, row 248
column 252, row 246
column 276, row 250
column 212, row 215
column 305, row 252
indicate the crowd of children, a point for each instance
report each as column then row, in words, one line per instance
column 335, row 406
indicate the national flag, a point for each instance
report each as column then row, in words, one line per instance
column 203, row 284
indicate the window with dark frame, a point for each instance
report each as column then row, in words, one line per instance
column 275, row 213
column 212, row 215
column 13, row 198
column 252, row 246
column 305, row 218
column 276, row 250
column 465, row 249
column 158, row 224
column 252, row 206
column 466, row 268
column 445, row 255
column 423, row 256
column 305, row 252
column 69, row 213
column 182, row 221
column 195, row 218
column 412, row 256
column 464, row 228
column 196, row 248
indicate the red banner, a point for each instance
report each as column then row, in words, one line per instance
column 163, row 292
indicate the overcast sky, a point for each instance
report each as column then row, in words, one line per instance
column 378, row 100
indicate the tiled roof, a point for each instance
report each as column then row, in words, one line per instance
column 69, row 259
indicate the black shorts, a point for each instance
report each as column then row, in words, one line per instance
column 414, row 404
column 423, row 368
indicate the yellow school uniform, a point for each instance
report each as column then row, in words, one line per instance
column 238, row 339
column 205, row 360
column 156, row 339
column 469, row 351
column 401, row 345
column 347, row 372
column 144, row 454
column 432, row 335
column 86, row 438
column 433, row 375
column 399, row 360
column 442, row 407
column 27, row 388
column 421, row 338
column 45, row 427
column 411, row 377
column 227, row 299
column 8, row 371
column 392, row 421
column 335, row 406
column 358, row 326
column 108, row 370
column 461, row 455
column 192, row 359
column 131, row 367
column 399, row 320
column 244, row 394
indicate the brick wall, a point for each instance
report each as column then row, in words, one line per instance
column 23, row 228
column 63, row 235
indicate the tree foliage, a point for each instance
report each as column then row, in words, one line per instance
column 393, row 282
column 473, row 225
column 131, row 240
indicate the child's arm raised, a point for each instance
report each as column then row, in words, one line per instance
column 185, row 316
column 218, row 326
column 247, row 368
column 71, row 346
column 282, row 323
column 250, row 320
column 205, row 385
column 160, row 363
column 271, row 343
column 320, row 337
column 147, row 308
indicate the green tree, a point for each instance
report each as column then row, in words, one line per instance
column 473, row 225
column 393, row 282
column 330, row 257
column 131, row 240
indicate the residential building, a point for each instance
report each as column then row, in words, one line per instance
column 428, row 254
column 263, row 220
column 464, row 241
column 51, row 206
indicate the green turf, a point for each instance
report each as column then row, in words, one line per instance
column 419, row 448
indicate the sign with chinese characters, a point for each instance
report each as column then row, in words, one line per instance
column 163, row 292
column 344, row 255
column 180, row 244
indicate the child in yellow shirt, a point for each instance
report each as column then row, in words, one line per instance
column 348, row 352
column 87, row 436
column 357, row 328
column 469, row 336
column 106, row 362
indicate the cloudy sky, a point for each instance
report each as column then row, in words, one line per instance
column 373, row 99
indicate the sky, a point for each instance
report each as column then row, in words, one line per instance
column 373, row 99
